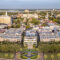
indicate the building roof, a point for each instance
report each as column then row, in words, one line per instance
column 13, row 33
column 2, row 31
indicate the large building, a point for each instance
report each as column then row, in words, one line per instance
column 58, row 15
column 30, row 15
column 30, row 39
column 27, row 15
column 5, row 19
column 46, row 35
column 27, row 11
column 12, row 35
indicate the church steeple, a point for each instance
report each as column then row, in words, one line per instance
column 47, row 13
column 51, row 13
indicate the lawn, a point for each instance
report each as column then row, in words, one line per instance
column 24, row 55
column 54, row 58
column 29, row 50
column 3, row 55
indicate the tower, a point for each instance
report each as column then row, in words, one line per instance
column 6, row 13
column 51, row 13
column 47, row 13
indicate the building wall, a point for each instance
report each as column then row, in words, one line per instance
column 50, row 39
column 30, row 15
column 10, row 39
column 30, row 41
column 5, row 19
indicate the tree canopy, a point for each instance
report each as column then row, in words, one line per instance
column 35, row 21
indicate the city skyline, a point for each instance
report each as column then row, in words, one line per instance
column 29, row 4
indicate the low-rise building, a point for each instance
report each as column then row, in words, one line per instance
column 36, row 27
column 2, row 30
column 2, row 25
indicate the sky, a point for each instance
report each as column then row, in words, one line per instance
column 29, row 4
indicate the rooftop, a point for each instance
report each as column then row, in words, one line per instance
column 11, row 33
column 30, row 33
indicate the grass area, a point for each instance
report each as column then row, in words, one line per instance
column 6, row 55
column 32, row 50
column 54, row 58
column 35, row 55
column 29, row 50
column 25, row 49
column 23, row 55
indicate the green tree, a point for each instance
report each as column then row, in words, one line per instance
column 12, row 55
column 45, row 56
column 13, row 26
column 58, row 55
column 51, row 18
column 20, row 49
column 17, row 26
column 38, row 56
column 55, row 20
column 6, row 55
column 35, row 22
column 52, row 56
column 28, row 26
column 18, row 56
column 44, row 24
